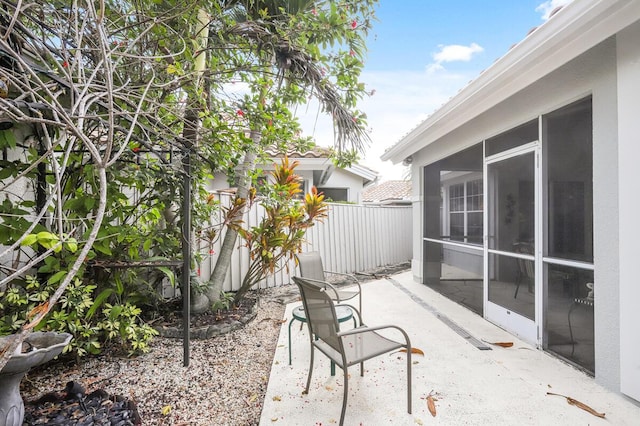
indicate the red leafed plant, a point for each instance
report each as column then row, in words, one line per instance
column 280, row 233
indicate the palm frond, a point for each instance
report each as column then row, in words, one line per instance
column 294, row 63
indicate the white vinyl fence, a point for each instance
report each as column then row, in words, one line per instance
column 353, row 238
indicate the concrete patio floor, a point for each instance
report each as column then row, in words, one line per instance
column 502, row 386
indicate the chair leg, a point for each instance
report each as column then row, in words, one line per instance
column 362, row 369
column 345, row 395
column 518, row 280
column 306, row 390
column 290, row 322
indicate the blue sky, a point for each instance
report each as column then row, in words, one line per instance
column 420, row 53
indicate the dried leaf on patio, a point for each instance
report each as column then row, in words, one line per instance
column 413, row 351
column 585, row 407
column 277, row 398
column 166, row 410
column 431, row 405
column 501, row 344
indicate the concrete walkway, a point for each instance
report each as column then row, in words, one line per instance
column 502, row 386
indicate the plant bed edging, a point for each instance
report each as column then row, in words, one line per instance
column 207, row 331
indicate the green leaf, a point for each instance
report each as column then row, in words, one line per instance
column 7, row 170
column 104, row 294
column 50, row 264
column 133, row 252
column 57, row 277
column 71, row 244
column 30, row 240
column 89, row 202
column 119, row 286
column 147, row 244
column 48, row 240
column 45, row 235
column 169, row 273
column 103, row 248
column 7, row 139
column 115, row 312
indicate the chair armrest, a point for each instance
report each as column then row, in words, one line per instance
column 351, row 276
column 354, row 309
column 376, row 328
column 327, row 286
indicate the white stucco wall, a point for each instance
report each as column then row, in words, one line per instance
column 417, row 202
column 593, row 73
column 605, row 218
column 218, row 182
column 629, row 175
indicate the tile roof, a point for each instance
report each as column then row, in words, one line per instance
column 316, row 152
column 387, row 191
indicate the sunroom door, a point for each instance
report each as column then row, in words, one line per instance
column 512, row 285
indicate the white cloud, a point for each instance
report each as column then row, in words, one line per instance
column 456, row 52
column 453, row 53
column 549, row 6
column 402, row 100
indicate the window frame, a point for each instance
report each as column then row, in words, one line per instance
column 465, row 182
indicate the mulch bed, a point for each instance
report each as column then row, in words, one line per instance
column 172, row 314
column 205, row 325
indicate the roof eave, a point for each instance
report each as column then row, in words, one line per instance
column 572, row 31
column 365, row 173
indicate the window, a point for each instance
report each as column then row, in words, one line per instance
column 456, row 212
column 335, row 194
column 568, row 133
column 465, row 211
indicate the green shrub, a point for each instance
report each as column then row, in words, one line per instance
column 76, row 314
column 225, row 302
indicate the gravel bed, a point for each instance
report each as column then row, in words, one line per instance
column 224, row 384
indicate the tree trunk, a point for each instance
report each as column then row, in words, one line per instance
column 252, row 277
column 224, row 258
column 190, row 130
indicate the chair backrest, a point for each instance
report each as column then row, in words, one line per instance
column 311, row 265
column 320, row 312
